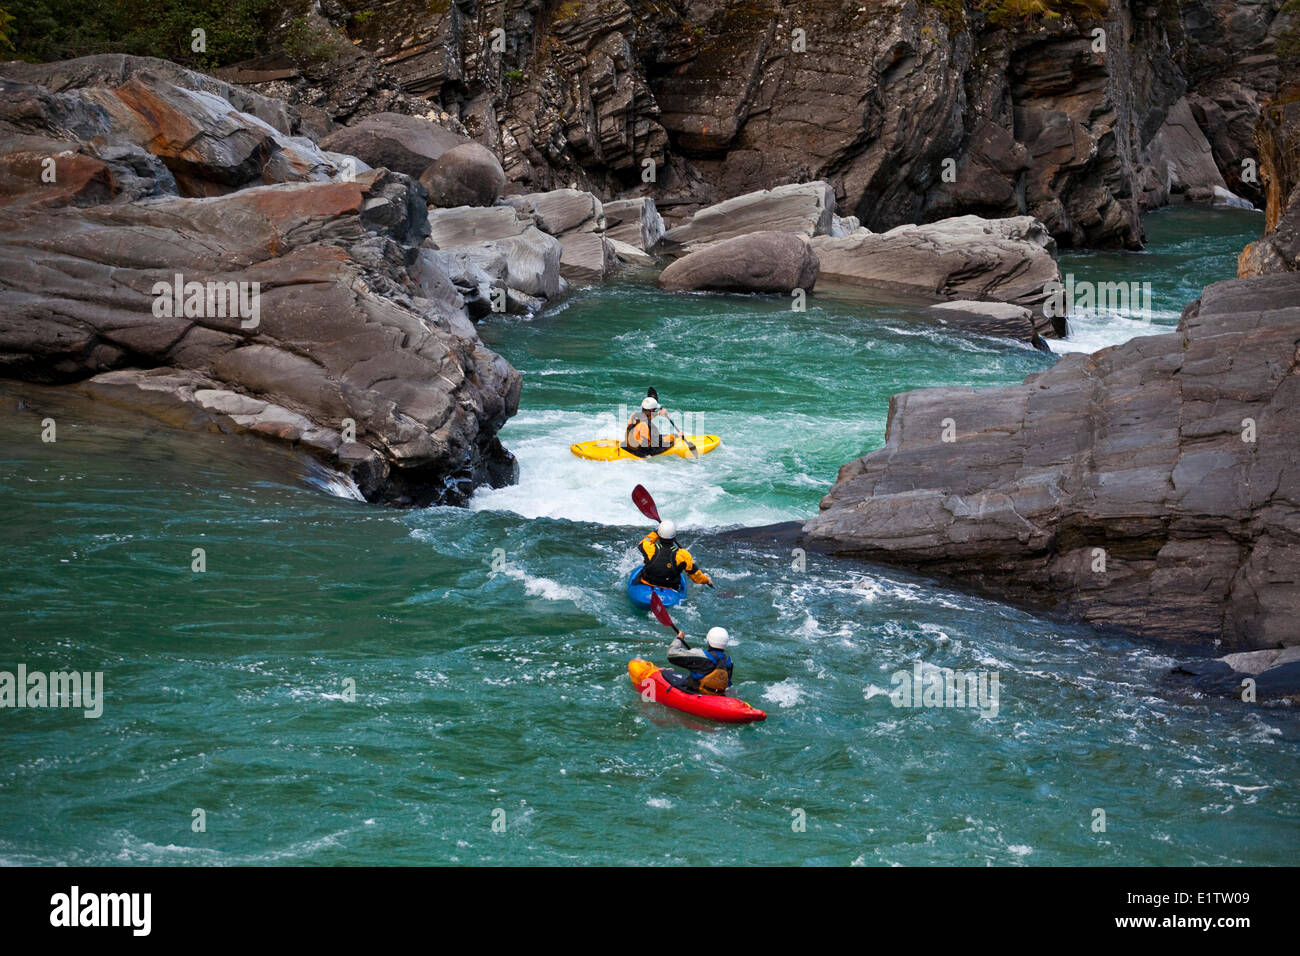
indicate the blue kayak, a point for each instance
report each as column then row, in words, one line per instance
column 640, row 593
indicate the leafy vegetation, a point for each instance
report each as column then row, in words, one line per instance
column 234, row 30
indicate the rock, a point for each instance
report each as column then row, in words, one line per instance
column 406, row 144
column 803, row 209
column 318, row 310
column 635, row 222
column 629, row 253
column 1181, row 159
column 511, row 250
column 577, row 219
column 112, row 70
column 1266, row 676
column 465, row 175
column 1002, row 260
column 991, row 318
column 1151, row 487
column 1278, row 137
column 757, row 262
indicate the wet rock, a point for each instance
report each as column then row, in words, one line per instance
column 991, row 318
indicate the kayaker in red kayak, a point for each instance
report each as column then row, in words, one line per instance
column 643, row 438
column 709, row 668
column 666, row 561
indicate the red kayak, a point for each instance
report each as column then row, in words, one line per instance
column 649, row 681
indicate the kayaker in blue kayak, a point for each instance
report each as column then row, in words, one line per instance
column 666, row 561
column 708, row 668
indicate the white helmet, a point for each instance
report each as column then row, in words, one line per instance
column 667, row 530
column 717, row 638
column 649, row 405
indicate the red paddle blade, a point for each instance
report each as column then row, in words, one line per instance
column 659, row 611
column 645, row 504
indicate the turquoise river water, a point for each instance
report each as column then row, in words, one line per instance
column 348, row 684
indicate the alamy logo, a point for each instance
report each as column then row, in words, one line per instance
column 55, row 689
column 1127, row 298
column 209, row 300
column 103, row 909
column 945, row 687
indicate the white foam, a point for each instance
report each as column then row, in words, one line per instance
column 785, row 694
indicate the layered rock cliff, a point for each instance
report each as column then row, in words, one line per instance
column 913, row 111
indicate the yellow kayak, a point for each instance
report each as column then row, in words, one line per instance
column 609, row 449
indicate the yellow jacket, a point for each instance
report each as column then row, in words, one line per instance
column 683, row 560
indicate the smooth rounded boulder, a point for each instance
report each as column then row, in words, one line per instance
column 404, row 144
column 468, row 175
column 758, row 262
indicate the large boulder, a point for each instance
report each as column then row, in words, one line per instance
column 510, row 250
column 803, row 209
column 465, row 175
column 1000, row 260
column 406, row 144
column 990, row 318
column 577, row 219
column 758, row 262
column 303, row 314
column 1152, row 487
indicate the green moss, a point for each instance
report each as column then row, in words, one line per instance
column 1288, row 39
column 307, row 46
column 1013, row 14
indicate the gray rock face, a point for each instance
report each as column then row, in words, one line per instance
column 577, row 219
column 508, row 251
column 758, row 262
column 1152, row 487
column 1001, row 260
column 405, row 144
column 301, row 311
column 802, row 209
column 634, row 221
column 1182, row 162
column 465, row 175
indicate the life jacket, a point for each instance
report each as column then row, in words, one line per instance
column 640, row 433
column 717, row 680
column 661, row 569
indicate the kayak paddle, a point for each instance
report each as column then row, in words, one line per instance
column 659, row 611
column 689, row 443
column 644, row 503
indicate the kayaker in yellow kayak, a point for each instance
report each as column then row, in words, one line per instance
column 708, row 668
column 666, row 561
column 643, row 439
